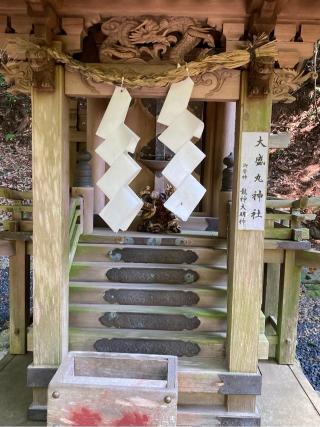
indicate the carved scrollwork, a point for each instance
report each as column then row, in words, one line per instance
column 152, row 39
column 286, row 81
column 214, row 79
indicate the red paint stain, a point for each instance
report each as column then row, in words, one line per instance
column 85, row 417
column 132, row 419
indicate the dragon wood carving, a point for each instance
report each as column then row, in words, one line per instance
column 152, row 39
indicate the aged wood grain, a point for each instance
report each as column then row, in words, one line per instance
column 50, row 234
column 245, row 259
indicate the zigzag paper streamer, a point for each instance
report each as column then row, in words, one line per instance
column 182, row 127
column 124, row 204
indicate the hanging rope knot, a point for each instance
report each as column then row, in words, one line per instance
column 252, row 52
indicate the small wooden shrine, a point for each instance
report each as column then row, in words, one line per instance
column 223, row 292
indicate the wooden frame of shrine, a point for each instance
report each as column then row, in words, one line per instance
column 263, row 264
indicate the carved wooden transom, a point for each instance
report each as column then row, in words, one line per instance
column 152, row 39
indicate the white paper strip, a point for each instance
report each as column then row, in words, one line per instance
column 182, row 127
column 121, row 210
column 183, row 163
column 122, row 172
column 184, row 200
column 253, row 180
column 176, row 101
column 120, row 141
column 123, row 203
column 115, row 113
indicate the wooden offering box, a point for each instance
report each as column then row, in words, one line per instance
column 111, row 389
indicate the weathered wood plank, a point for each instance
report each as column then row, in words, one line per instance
column 288, row 309
column 273, row 256
column 208, row 344
column 7, row 248
column 229, row 91
column 245, row 258
column 51, row 210
column 19, row 282
column 271, row 289
column 142, row 253
column 207, row 417
column 147, row 317
column 152, row 273
column 83, row 388
column 144, row 294
column 134, row 238
column 309, row 258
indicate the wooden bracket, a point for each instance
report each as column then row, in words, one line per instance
column 260, row 77
column 72, row 38
column 240, row 383
column 40, row 376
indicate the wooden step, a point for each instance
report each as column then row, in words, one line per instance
column 206, row 240
column 145, row 317
column 146, row 273
column 146, row 254
column 182, row 344
column 147, row 294
column 199, row 381
column 204, row 416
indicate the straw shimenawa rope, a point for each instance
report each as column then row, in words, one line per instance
column 97, row 73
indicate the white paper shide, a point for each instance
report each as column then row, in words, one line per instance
column 253, row 180
column 182, row 127
column 119, row 140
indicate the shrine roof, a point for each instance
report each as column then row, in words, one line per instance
column 297, row 11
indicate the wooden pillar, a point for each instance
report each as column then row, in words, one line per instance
column 246, row 249
column 50, row 162
column 271, row 290
column 288, row 309
column 19, row 287
column 224, row 144
column 95, row 110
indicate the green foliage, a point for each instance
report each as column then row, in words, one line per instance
column 2, row 81
column 9, row 136
column 312, row 290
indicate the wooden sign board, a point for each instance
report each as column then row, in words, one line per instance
column 253, row 180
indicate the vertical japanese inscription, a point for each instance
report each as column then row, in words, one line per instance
column 253, row 180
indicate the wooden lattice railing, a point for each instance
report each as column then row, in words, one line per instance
column 284, row 218
column 75, row 225
column 19, row 205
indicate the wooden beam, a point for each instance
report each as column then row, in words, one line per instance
column 50, row 234
column 206, row 8
column 309, row 258
column 19, row 283
column 7, row 248
column 229, row 90
column 246, row 252
column 288, row 309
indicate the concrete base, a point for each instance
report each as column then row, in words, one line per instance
column 15, row 397
column 287, row 398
